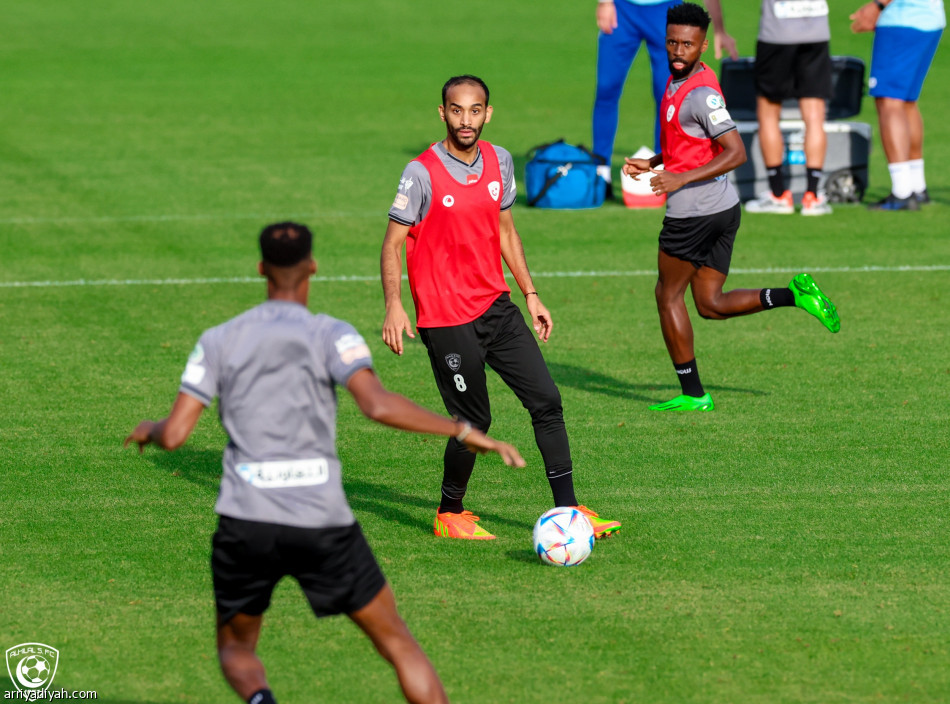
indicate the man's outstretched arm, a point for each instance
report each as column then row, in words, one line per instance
column 171, row 432
column 397, row 411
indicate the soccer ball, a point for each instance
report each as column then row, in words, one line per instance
column 563, row 536
column 35, row 669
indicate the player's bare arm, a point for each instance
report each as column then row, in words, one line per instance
column 390, row 265
column 634, row 167
column 396, row 411
column 865, row 18
column 512, row 251
column 732, row 156
column 169, row 433
column 722, row 41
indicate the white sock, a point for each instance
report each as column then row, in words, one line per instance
column 917, row 180
column 603, row 170
column 901, row 181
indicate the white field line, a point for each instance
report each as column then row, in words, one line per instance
column 537, row 275
column 263, row 217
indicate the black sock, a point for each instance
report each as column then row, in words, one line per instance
column 449, row 505
column 262, row 696
column 776, row 298
column 689, row 378
column 776, row 180
column 813, row 177
column 561, row 480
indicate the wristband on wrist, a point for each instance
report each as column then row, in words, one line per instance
column 880, row 5
column 466, row 429
column 531, row 293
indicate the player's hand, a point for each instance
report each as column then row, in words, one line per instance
column 540, row 317
column 476, row 441
column 635, row 167
column 393, row 326
column 865, row 18
column 606, row 17
column 666, row 182
column 142, row 435
column 723, row 42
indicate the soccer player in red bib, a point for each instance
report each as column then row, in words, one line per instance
column 699, row 146
column 452, row 214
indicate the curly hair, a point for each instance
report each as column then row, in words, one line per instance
column 688, row 14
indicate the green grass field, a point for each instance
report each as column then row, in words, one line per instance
column 792, row 546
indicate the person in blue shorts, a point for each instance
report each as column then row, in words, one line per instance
column 906, row 35
column 624, row 25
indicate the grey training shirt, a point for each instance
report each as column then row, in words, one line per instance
column 702, row 114
column 415, row 187
column 275, row 370
column 794, row 22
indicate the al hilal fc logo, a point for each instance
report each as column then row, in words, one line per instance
column 32, row 666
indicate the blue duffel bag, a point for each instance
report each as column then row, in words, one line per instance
column 563, row 176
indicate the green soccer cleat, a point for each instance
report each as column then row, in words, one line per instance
column 686, row 403
column 810, row 299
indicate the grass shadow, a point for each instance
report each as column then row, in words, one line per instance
column 596, row 382
column 198, row 466
column 386, row 502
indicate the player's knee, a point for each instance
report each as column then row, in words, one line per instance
column 708, row 311
column 545, row 403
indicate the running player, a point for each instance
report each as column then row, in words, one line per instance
column 700, row 145
column 281, row 505
column 452, row 213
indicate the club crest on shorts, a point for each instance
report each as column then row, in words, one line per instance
column 32, row 666
column 454, row 361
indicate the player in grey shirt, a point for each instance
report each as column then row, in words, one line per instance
column 275, row 370
column 700, row 146
column 698, row 119
column 792, row 60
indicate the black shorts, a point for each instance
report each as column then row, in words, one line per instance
column 706, row 240
column 785, row 71
column 500, row 338
column 334, row 566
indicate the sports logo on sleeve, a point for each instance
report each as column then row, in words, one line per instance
column 194, row 372
column 352, row 347
column 719, row 116
column 715, row 101
column 402, row 199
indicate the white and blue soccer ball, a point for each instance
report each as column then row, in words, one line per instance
column 563, row 536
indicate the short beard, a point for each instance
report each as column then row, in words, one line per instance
column 453, row 136
column 679, row 75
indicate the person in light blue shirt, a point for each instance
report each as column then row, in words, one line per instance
column 906, row 36
column 624, row 25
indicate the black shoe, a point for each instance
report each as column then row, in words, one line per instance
column 610, row 191
column 892, row 202
column 923, row 197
